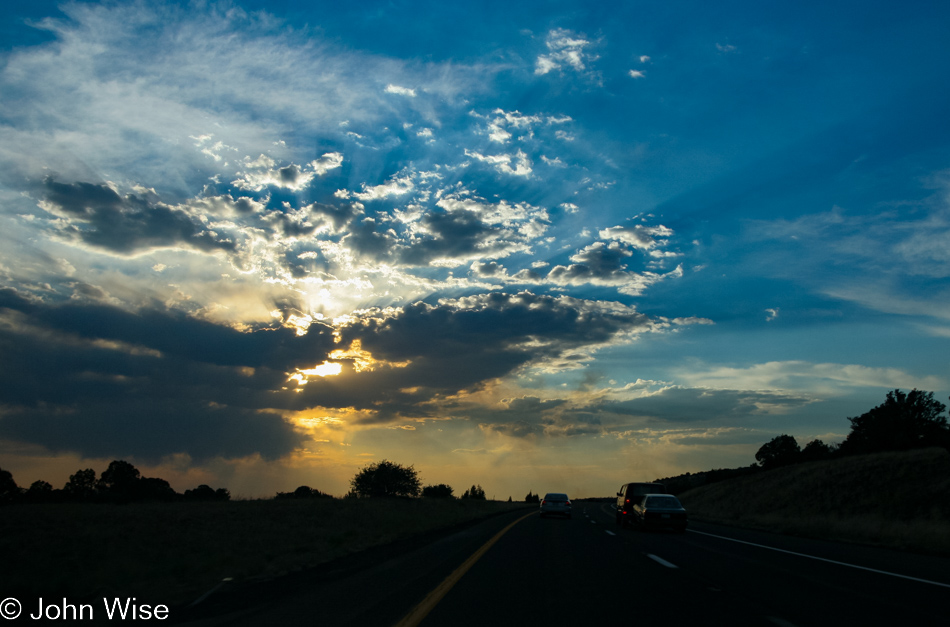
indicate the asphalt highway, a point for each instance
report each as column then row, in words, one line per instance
column 524, row 570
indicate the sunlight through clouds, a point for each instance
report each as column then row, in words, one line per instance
column 282, row 243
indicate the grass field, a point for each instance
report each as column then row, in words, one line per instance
column 172, row 553
column 898, row 499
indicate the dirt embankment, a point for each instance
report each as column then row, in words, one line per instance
column 895, row 499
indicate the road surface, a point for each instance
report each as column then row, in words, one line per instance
column 587, row 570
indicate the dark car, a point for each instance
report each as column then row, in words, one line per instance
column 632, row 493
column 659, row 511
column 555, row 504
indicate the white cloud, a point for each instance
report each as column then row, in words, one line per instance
column 829, row 379
column 397, row 186
column 636, row 74
column 564, row 49
column 261, row 173
column 638, row 235
column 502, row 163
column 402, row 91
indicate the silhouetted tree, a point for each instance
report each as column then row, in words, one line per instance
column 118, row 482
column 779, row 451
column 815, row 450
column 532, row 498
column 153, row 489
column 9, row 491
column 222, row 494
column 81, row 486
column 903, row 421
column 475, row 493
column 441, row 491
column 386, row 478
column 201, row 493
column 304, row 492
column 39, row 492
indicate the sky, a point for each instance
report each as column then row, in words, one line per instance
column 539, row 246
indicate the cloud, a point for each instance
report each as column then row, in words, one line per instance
column 639, row 236
column 502, row 163
column 402, row 91
column 821, row 378
column 564, row 49
column 397, row 186
column 262, row 174
column 891, row 257
column 606, row 264
column 97, row 215
column 103, row 381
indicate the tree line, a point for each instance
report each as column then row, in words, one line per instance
column 389, row 479
column 904, row 421
column 121, row 482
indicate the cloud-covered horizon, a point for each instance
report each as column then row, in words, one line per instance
column 231, row 238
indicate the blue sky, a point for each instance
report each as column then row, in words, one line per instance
column 538, row 246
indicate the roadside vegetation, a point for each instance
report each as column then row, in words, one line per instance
column 887, row 483
column 173, row 549
column 175, row 552
column 898, row 499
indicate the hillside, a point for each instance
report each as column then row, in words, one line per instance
column 895, row 499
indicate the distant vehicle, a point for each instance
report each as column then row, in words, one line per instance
column 555, row 504
column 659, row 511
column 632, row 493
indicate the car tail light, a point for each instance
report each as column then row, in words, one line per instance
column 543, row 501
column 627, row 501
column 568, row 503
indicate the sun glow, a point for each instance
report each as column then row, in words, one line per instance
column 363, row 360
column 326, row 369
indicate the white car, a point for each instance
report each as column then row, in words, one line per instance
column 555, row 504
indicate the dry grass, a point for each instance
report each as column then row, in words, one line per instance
column 898, row 499
column 172, row 553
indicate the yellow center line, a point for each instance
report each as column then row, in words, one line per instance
column 422, row 610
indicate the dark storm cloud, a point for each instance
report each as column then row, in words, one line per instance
column 596, row 262
column 103, row 381
column 97, row 215
column 497, row 323
column 488, row 269
column 290, row 223
column 365, row 239
column 461, row 345
column 460, row 234
column 438, row 235
column 338, row 216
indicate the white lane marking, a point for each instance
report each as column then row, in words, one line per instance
column 610, row 532
column 822, row 559
column 660, row 560
column 593, row 522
